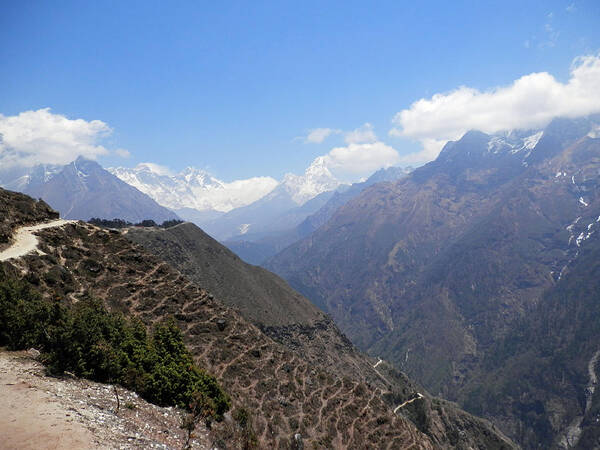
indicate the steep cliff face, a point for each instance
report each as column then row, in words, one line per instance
column 432, row 271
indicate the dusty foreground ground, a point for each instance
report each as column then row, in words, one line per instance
column 41, row 412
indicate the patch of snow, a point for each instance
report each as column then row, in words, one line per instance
column 315, row 180
column 594, row 132
column 583, row 202
column 531, row 141
column 498, row 143
column 243, row 228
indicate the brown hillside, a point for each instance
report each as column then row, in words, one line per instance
column 290, row 319
column 285, row 394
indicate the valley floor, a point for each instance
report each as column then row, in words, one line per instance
column 42, row 412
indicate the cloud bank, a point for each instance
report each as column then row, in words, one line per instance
column 318, row 135
column 531, row 101
column 42, row 137
column 362, row 155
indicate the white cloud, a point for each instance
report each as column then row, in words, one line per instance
column 34, row 137
column 318, row 135
column 361, row 135
column 122, row 153
column 551, row 34
column 571, row 8
column 356, row 160
column 238, row 193
column 531, row 101
column 361, row 156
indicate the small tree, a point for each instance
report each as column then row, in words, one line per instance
column 201, row 407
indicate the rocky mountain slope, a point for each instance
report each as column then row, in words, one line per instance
column 286, row 392
column 433, row 270
column 83, row 189
column 291, row 320
column 540, row 381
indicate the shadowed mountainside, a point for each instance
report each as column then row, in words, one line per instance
column 432, row 271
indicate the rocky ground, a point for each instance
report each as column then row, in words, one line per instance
column 42, row 412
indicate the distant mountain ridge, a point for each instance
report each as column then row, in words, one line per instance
column 197, row 189
column 193, row 188
column 257, row 249
column 257, row 206
column 83, row 189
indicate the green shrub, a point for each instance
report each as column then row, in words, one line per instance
column 93, row 343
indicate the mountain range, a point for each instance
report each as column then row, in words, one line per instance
column 452, row 271
column 200, row 197
column 193, row 188
column 294, row 388
column 299, row 222
column 83, row 189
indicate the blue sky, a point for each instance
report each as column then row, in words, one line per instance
column 234, row 87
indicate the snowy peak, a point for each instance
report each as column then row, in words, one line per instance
column 316, row 179
column 193, row 188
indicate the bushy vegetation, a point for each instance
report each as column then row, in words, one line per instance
column 120, row 223
column 91, row 342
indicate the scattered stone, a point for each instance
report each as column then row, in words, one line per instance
column 221, row 324
column 35, row 354
column 298, row 444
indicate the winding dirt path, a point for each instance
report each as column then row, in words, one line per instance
column 38, row 412
column 25, row 241
column 419, row 395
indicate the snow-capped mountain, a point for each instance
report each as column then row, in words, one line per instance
column 82, row 190
column 315, row 180
column 296, row 197
column 199, row 190
column 21, row 178
column 193, row 188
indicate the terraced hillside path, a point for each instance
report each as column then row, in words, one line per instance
column 25, row 241
column 407, row 402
